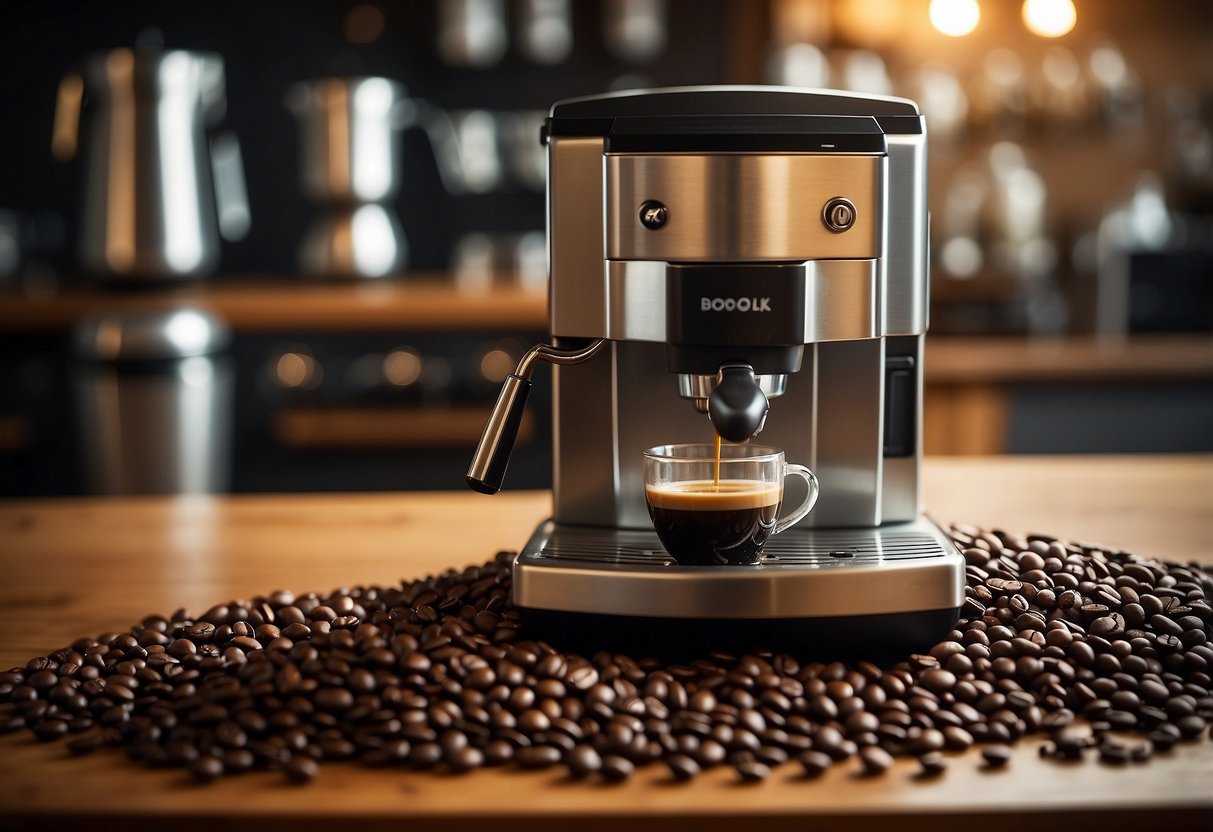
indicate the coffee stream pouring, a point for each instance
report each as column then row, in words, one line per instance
column 749, row 249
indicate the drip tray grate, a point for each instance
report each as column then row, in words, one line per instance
column 808, row 547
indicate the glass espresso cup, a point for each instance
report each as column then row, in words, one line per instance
column 709, row 512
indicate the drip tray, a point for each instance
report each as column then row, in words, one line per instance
column 804, row 573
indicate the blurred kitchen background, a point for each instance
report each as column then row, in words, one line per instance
column 303, row 254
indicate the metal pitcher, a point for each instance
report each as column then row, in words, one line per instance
column 158, row 191
column 350, row 153
column 154, row 401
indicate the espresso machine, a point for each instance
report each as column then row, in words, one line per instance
column 737, row 260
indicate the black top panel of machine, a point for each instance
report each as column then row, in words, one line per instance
column 697, row 113
column 817, row 134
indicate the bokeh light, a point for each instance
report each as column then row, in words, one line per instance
column 955, row 18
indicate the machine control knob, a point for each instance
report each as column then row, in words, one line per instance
column 654, row 215
column 838, row 214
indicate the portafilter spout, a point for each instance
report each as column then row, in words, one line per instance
column 487, row 470
column 738, row 406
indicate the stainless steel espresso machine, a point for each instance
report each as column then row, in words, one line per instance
column 770, row 243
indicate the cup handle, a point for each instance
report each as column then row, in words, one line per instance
column 810, row 499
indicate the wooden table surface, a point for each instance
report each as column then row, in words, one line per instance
column 80, row 567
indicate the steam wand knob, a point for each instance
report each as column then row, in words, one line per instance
column 737, row 407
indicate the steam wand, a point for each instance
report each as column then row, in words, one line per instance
column 487, row 470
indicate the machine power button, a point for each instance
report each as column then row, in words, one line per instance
column 838, row 214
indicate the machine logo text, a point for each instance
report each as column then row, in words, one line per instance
column 734, row 304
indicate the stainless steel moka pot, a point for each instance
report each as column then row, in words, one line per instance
column 350, row 129
column 758, row 255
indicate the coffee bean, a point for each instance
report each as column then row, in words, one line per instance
column 584, row 677
column 752, row 771
column 534, row 721
column 976, row 557
column 583, row 761
column 181, row 648
column 425, row 755
column 710, row 753
column 52, row 729
column 498, row 752
column 932, row 764
column 537, row 756
column 860, row 722
column 1114, row 753
column 1190, row 726
column 682, row 767
column 875, row 760
column 932, row 739
column 616, row 768
column 465, row 759
column 1106, row 625
column 771, row 756
column 206, row 768
column 996, row 756
column 301, row 769
column 814, row 763
column 938, row 680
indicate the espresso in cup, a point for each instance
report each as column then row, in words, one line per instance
column 704, row 522
column 716, row 506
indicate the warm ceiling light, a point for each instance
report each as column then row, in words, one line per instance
column 869, row 22
column 955, row 18
column 1049, row 18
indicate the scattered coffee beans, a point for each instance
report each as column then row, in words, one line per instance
column 1064, row 640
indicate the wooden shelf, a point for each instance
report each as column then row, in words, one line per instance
column 970, row 382
column 388, row 427
column 423, row 301
column 1005, row 359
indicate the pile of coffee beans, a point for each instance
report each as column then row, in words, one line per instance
column 1103, row 654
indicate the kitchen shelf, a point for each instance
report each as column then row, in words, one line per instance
column 952, row 359
column 343, row 428
column 423, row 301
column 969, row 401
column 428, row 301
column 971, row 382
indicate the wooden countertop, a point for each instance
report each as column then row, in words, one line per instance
column 75, row 567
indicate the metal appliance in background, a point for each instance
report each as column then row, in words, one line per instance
column 350, row 130
column 154, row 401
column 158, row 191
column 766, row 239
